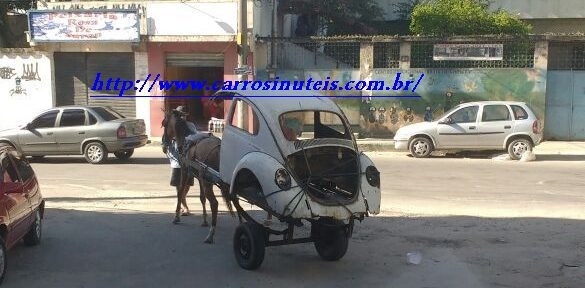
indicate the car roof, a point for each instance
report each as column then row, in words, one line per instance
column 495, row 102
column 278, row 102
column 78, row 106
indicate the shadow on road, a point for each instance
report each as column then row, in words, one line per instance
column 107, row 249
column 110, row 161
column 558, row 157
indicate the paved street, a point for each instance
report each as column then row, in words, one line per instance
column 478, row 222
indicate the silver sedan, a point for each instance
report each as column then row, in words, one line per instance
column 92, row 131
column 487, row 125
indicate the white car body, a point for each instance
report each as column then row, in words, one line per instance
column 481, row 133
column 246, row 155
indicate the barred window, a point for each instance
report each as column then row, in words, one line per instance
column 566, row 56
column 516, row 54
column 386, row 55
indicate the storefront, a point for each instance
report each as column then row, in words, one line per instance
column 202, row 49
column 87, row 42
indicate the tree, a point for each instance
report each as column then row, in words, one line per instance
column 463, row 17
column 340, row 17
column 404, row 9
column 8, row 37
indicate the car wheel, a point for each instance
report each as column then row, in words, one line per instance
column 95, row 153
column 517, row 147
column 249, row 245
column 421, row 147
column 330, row 239
column 3, row 260
column 33, row 237
column 124, row 154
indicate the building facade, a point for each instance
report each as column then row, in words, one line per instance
column 89, row 43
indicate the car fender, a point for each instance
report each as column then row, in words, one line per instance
column 93, row 139
column 372, row 195
column 505, row 144
column 11, row 143
column 264, row 167
column 425, row 134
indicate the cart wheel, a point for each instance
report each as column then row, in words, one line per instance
column 330, row 238
column 249, row 247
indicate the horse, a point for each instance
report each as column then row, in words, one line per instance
column 206, row 150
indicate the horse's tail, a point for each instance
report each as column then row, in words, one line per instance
column 225, row 194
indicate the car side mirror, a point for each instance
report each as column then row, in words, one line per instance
column 28, row 126
column 12, row 187
column 447, row 120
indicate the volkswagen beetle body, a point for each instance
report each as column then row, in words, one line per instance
column 296, row 157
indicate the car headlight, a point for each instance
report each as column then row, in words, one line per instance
column 373, row 176
column 282, row 179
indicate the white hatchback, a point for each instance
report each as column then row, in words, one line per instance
column 487, row 125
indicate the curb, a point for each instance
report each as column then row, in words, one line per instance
column 363, row 145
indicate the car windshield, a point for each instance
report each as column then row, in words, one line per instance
column 107, row 114
column 312, row 124
column 451, row 110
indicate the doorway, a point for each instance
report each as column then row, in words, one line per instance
column 195, row 67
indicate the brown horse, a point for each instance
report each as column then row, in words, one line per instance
column 207, row 151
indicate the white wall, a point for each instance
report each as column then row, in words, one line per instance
column 191, row 18
column 142, row 103
column 36, row 95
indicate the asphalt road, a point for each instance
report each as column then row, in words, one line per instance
column 475, row 221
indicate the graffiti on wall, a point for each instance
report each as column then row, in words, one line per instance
column 30, row 74
column 25, row 86
column 441, row 90
column 6, row 72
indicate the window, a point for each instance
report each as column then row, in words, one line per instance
column 72, row 117
column 495, row 113
column 9, row 174
column 465, row 115
column 244, row 121
column 46, row 120
column 107, row 114
column 519, row 112
column 311, row 124
column 92, row 119
column 23, row 168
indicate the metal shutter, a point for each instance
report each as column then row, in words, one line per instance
column 195, row 60
column 111, row 65
column 70, row 79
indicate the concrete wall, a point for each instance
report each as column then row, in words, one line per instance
column 19, row 103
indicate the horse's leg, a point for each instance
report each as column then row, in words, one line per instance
column 185, row 211
column 208, row 188
column 178, row 209
column 202, row 198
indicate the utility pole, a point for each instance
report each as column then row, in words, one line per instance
column 243, row 35
column 243, row 55
column 273, row 35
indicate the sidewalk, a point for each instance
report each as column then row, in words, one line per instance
column 380, row 145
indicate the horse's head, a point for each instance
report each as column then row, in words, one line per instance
column 175, row 128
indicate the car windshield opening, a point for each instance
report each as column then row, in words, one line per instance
column 107, row 114
column 313, row 124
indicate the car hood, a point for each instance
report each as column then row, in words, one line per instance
column 409, row 130
column 10, row 131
